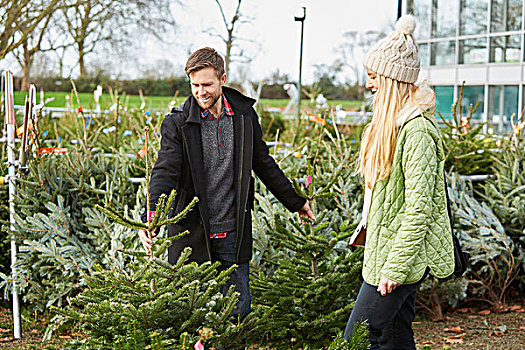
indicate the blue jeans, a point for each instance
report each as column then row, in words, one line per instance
column 389, row 317
column 223, row 251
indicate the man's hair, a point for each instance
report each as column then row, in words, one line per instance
column 204, row 58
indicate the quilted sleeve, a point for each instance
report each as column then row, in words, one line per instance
column 419, row 164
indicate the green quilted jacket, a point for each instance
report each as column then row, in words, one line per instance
column 408, row 227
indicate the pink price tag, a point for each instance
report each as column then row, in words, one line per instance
column 199, row 346
column 151, row 215
column 308, row 180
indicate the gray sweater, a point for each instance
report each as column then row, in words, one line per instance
column 217, row 149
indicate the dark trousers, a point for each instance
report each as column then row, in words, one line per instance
column 223, row 250
column 389, row 317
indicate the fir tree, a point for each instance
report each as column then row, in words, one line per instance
column 467, row 150
column 313, row 285
column 125, row 306
column 54, row 207
column 495, row 260
column 505, row 191
column 152, row 296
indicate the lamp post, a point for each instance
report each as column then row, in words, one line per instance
column 300, row 19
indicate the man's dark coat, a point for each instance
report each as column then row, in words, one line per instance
column 180, row 166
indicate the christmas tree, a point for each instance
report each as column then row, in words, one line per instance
column 126, row 306
column 314, row 278
column 467, row 151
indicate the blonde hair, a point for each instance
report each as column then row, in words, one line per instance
column 380, row 135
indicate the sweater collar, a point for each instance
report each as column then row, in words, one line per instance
column 424, row 100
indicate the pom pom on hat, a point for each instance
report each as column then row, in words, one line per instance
column 406, row 24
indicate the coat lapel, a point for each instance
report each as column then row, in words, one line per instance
column 192, row 139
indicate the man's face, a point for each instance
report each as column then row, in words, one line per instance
column 206, row 87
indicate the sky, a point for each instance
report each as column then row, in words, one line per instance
column 274, row 29
column 271, row 26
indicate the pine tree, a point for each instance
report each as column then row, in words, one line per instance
column 152, row 296
column 124, row 306
column 505, row 192
column 314, row 284
column 495, row 260
column 54, row 207
column 359, row 339
column 467, row 150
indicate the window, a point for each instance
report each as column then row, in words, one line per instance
column 473, row 18
column 443, row 53
column 444, row 100
column 503, row 102
column 471, row 96
column 505, row 15
column 505, row 48
column 445, row 18
column 421, row 10
column 473, row 51
column 423, row 54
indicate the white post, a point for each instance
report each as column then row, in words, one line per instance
column 96, row 97
column 11, row 157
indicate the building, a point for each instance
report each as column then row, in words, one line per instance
column 479, row 42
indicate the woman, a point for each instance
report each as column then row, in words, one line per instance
column 405, row 214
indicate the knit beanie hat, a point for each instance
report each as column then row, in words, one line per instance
column 396, row 56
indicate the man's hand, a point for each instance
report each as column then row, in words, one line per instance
column 386, row 285
column 305, row 211
column 146, row 241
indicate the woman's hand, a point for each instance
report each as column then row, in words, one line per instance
column 386, row 285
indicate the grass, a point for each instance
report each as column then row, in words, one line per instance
column 156, row 102
column 86, row 100
column 280, row 103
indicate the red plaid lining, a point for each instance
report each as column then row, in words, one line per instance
column 226, row 107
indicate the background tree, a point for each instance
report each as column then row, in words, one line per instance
column 326, row 77
column 355, row 45
column 45, row 37
column 19, row 18
column 117, row 22
column 233, row 50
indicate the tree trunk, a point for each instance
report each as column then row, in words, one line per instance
column 61, row 68
column 28, row 61
column 228, row 53
column 81, row 62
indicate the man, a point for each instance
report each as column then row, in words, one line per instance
column 209, row 147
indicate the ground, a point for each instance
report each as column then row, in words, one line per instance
column 474, row 329
column 467, row 328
